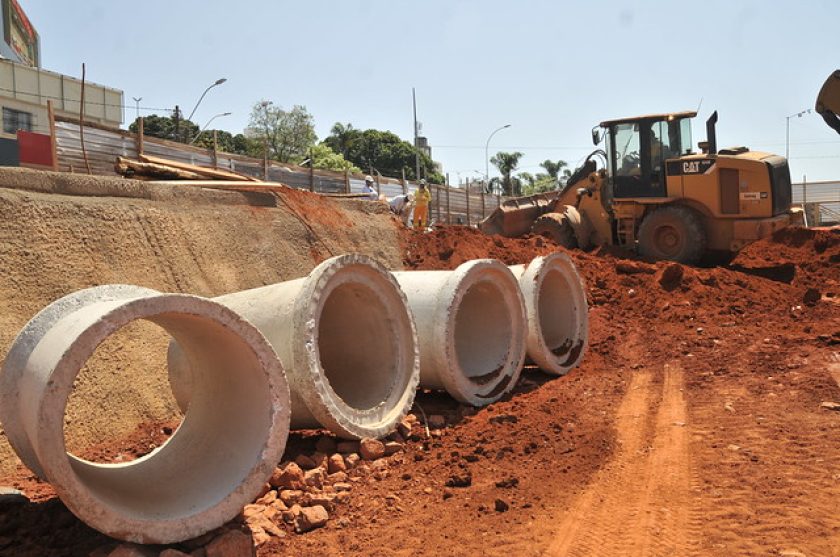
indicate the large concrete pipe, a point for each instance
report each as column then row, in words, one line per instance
column 558, row 316
column 227, row 446
column 346, row 339
column 471, row 324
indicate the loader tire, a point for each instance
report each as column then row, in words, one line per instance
column 673, row 233
column 555, row 226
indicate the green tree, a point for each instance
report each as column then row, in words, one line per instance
column 507, row 163
column 237, row 144
column 341, row 138
column 553, row 168
column 288, row 134
column 164, row 127
column 325, row 158
column 382, row 151
column 536, row 184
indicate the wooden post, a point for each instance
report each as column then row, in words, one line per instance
column 437, row 201
column 346, row 181
column 215, row 149
column 448, row 212
column 141, row 132
column 468, row 202
column 378, row 187
column 82, row 122
column 311, row 172
column 498, row 200
column 265, row 161
column 482, row 202
column 404, row 184
column 53, row 143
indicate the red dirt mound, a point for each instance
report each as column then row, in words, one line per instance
column 448, row 247
column 803, row 257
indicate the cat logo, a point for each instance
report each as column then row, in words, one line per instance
column 696, row 166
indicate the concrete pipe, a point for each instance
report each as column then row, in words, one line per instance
column 471, row 323
column 217, row 460
column 346, row 339
column 558, row 315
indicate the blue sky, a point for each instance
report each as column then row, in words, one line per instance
column 550, row 69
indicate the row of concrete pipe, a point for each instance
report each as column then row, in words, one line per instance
column 343, row 348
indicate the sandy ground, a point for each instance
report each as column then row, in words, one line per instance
column 60, row 233
column 694, row 425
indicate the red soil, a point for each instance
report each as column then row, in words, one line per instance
column 753, row 456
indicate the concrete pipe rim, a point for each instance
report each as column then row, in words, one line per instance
column 355, row 409
column 489, row 281
column 557, row 339
column 22, row 346
column 73, row 477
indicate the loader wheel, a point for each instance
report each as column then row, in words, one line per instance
column 556, row 227
column 673, row 232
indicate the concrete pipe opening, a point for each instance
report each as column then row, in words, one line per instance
column 483, row 329
column 471, row 323
column 232, row 435
column 558, row 314
column 354, row 333
column 363, row 376
column 346, row 339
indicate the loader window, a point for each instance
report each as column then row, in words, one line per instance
column 685, row 136
column 628, row 161
column 635, row 146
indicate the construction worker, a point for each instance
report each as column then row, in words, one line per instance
column 369, row 189
column 399, row 203
column 421, row 206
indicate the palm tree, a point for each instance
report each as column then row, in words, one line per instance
column 342, row 135
column 553, row 168
column 507, row 163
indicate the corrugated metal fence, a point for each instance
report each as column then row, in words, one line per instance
column 103, row 145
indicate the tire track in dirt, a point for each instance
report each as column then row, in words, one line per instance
column 639, row 504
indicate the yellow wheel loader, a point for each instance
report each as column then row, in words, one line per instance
column 653, row 194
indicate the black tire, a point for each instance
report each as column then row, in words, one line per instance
column 674, row 233
column 556, row 227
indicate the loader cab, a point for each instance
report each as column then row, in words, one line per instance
column 637, row 149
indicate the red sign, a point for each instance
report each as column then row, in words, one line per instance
column 34, row 148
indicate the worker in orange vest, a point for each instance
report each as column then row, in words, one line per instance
column 421, row 206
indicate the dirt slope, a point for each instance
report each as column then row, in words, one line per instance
column 60, row 233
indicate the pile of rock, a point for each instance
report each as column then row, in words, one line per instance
column 301, row 494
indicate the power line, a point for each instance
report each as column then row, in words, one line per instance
column 37, row 95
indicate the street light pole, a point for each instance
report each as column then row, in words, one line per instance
column 787, row 130
column 201, row 131
column 201, row 98
column 137, row 105
column 487, row 154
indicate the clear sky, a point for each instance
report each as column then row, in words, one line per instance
column 550, row 69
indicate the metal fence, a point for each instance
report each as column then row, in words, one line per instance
column 103, row 145
column 821, row 201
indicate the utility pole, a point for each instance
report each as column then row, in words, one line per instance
column 177, row 117
column 416, row 147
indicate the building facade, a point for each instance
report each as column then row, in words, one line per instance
column 24, row 92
